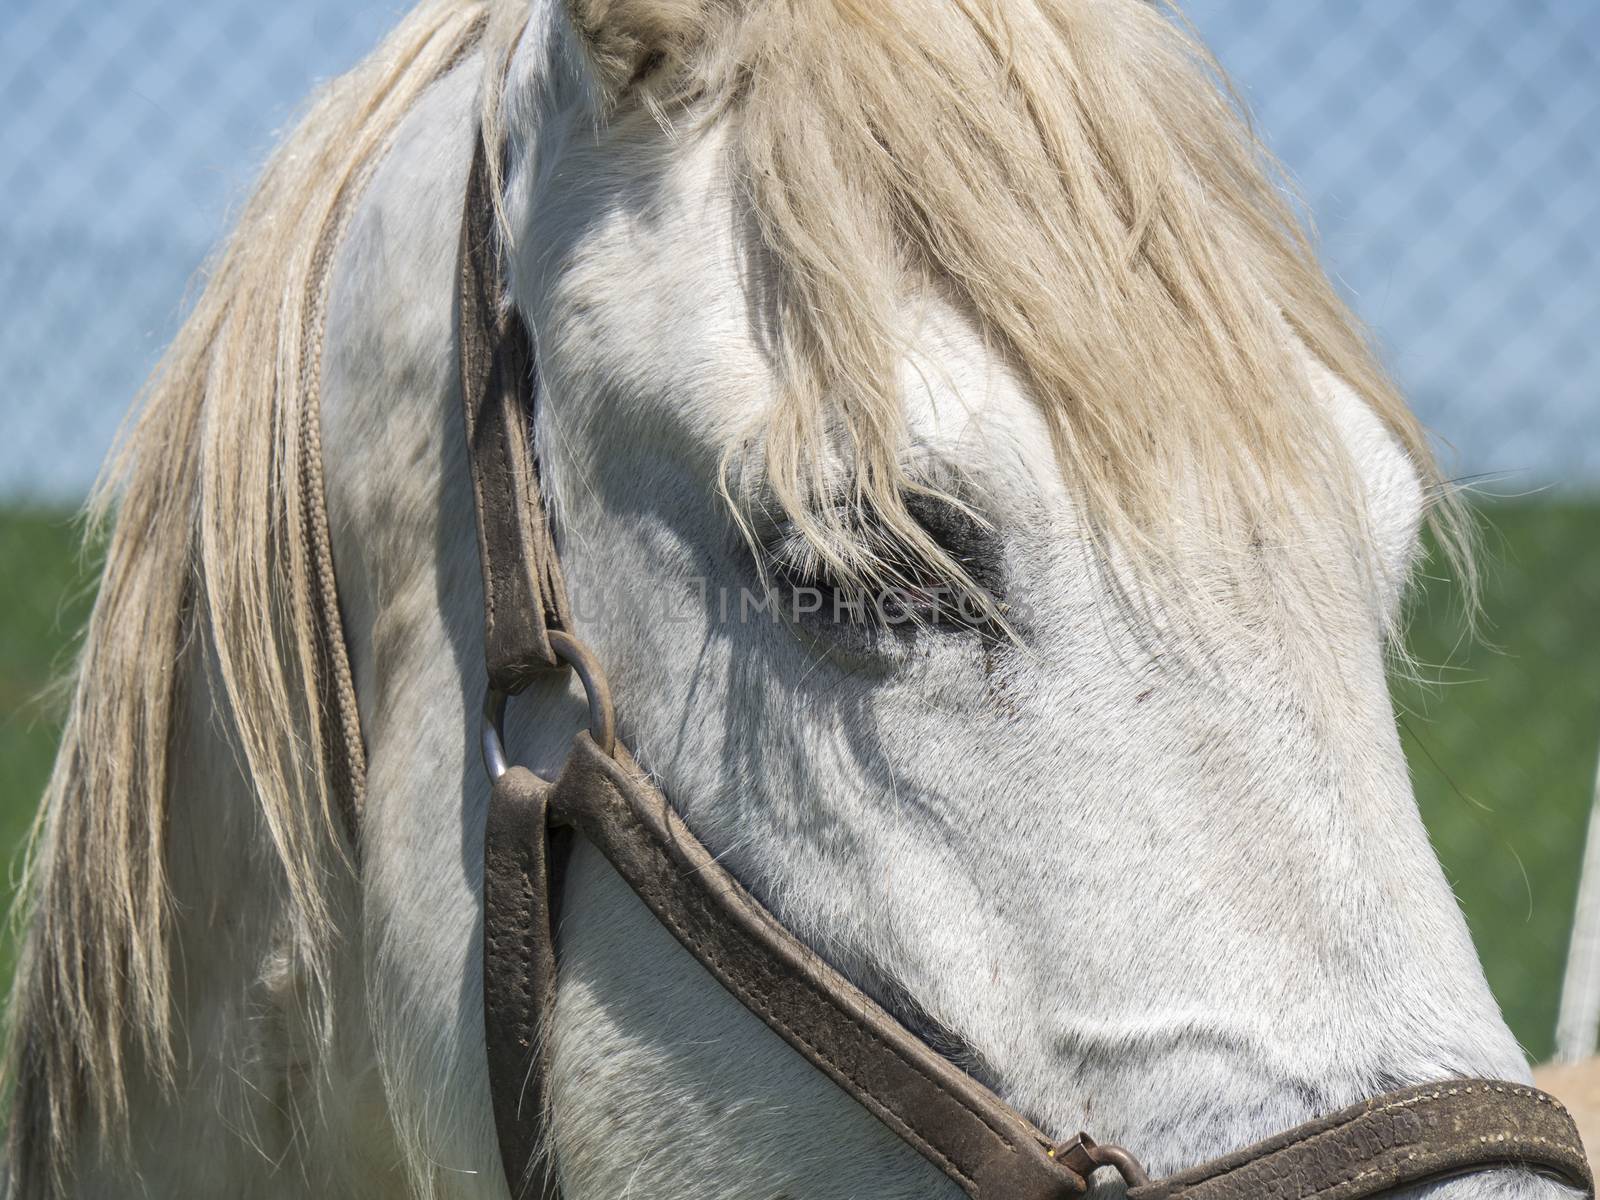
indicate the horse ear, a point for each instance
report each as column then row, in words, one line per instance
column 629, row 40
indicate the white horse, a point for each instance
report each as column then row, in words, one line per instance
column 995, row 296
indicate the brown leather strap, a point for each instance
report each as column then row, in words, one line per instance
column 524, row 599
column 523, row 595
column 957, row 1124
column 519, row 970
column 1418, row 1135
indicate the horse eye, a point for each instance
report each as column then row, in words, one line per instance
column 909, row 593
column 961, row 534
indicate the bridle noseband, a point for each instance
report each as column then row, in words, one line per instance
column 987, row 1148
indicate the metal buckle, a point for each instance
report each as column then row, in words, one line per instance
column 1085, row 1156
column 602, row 717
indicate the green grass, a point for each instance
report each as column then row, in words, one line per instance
column 43, row 604
column 1503, row 751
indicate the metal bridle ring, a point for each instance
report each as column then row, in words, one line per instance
column 602, row 717
column 1084, row 1156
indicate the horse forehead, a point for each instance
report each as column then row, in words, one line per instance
column 640, row 275
column 637, row 219
column 965, row 406
column 661, row 293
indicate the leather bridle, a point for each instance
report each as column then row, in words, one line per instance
column 991, row 1151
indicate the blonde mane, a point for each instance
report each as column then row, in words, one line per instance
column 1074, row 175
column 204, row 508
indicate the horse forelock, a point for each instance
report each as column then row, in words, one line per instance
column 1077, row 178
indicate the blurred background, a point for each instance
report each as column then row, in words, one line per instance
column 1447, row 149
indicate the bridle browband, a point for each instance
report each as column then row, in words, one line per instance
column 991, row 1151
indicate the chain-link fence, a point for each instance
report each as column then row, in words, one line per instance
column 131, row 131
column 1447, row 149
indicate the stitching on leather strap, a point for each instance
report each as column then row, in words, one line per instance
column 527, row 1019
column 471, row 348
column 1365, row 1115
